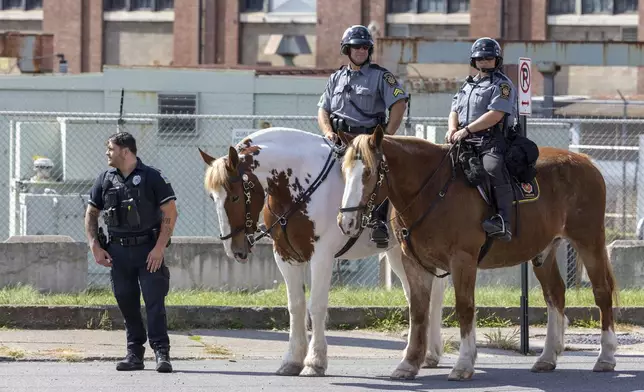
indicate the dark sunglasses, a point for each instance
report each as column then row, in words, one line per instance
column 484, row 58
column 365, row 47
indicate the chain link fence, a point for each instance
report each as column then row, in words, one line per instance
column 54, row 158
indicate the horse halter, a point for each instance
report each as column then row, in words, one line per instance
column 383, row 169
column 247, row 228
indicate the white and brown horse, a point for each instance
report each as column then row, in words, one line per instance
column 302, row 177
column 438, row 217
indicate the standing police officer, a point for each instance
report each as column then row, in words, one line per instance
column 355, row 100
column 140, row 214
column 481, row 112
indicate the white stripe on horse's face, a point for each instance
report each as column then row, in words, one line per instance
column 348, row 221
column 219, row 197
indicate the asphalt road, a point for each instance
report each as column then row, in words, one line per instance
column 493, row 373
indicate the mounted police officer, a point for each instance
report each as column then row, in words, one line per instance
column 481, row 112
column 140, row 214
column 355, row 101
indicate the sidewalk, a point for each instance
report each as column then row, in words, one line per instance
column 84, row 345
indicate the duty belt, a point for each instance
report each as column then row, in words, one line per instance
column 133, row 240
column 359, row 130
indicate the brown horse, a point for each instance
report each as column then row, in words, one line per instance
column 438, row 218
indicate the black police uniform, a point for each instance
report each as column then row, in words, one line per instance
column 133, row 219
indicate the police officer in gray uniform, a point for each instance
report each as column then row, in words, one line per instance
column 481, row 112
column 355, row 101
column 140, row 214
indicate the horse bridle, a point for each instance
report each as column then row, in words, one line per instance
column 405, row 232
column 282, row 219
column 383, row 169
column 249, row 224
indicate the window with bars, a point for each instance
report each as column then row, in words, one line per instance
column 138, row 5
column 177, row 104
column 25, row 5
column 559, row 7
column 427, row 6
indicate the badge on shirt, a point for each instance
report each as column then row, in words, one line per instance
column 390, row 79
column 505, row 90
column 136, row 180
column 397, row 92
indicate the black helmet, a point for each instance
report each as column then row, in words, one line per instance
column 486, row 47
column 356, row 35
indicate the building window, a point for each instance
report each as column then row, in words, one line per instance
column 25, row 5
column 427, row 6
column 138, row 5
column 559, row 7
column 177, row 104
column 291, row 5
column 251, row 6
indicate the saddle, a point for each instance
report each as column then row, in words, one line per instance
column 520, row 165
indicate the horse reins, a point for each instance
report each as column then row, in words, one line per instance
column 301, row 199
column 405, row 233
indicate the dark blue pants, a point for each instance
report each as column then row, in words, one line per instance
column 130, row 278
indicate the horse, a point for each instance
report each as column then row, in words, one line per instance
column 297, row 170
column 437, row 219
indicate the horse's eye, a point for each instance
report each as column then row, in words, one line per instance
column 210, row 196
column 234, row 198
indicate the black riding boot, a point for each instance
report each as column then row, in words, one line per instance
column 162, row 356
column 133, row 360
column 379, row 231
column 498, row 225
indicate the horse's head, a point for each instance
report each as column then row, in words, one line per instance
column 239, row 199
column 363, row 170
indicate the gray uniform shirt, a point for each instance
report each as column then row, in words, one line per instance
column 477, row 96
column 373, row 89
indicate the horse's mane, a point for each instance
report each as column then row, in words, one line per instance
column 359, row 149
column 217, row 175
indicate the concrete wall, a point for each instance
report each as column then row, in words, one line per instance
column 59, row 264
column 48, row 263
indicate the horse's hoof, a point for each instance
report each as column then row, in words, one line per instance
column 460, row 374
column 543, row 367
column 290, row 369
column 403, row 374
column 604, row 367
column 430, row 363
column 312, row 371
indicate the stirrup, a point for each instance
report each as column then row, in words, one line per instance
column 503, row 232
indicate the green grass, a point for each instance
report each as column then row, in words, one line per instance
column 485, row 296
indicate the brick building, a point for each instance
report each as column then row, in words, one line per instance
column 92, row 33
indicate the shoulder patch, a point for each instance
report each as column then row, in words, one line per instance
column 390, row 79
column 505, row 90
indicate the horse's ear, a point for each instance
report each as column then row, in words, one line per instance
column 206, row 158
column 376, row 138
column 343, row 137
column 233, row 159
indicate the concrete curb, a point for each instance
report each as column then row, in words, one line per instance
column 228, row 317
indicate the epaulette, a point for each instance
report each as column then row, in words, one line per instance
column 376, row 66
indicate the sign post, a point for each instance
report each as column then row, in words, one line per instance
column 525, row 109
